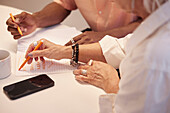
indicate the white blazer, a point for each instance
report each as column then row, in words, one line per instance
column 145, row 68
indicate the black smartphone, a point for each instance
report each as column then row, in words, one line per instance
column 28, row 86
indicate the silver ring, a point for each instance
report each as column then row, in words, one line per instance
column 35, row 44
column 84, row 72
column 90, row 62
column 72, row 41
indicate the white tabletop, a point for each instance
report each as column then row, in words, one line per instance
column 67, row 96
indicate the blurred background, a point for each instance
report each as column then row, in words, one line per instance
column 74, row 20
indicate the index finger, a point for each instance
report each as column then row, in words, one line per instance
column 32, row 46
column 30, row 49
column 83, row 67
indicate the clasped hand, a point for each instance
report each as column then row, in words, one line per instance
column 99, row 74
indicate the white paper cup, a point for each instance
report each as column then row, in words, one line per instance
column 5, row 64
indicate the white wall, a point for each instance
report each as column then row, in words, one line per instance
column 75, row 19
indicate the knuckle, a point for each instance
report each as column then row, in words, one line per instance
column 74, row 38
column 8, row 28
column 78, row 72
column 80, row 66
column 7, row 22
column 12, row 33
column 30, row 46
column 90, row 79
column 16, row 37
column 35, row 53
column 94, row 62
column 43, row 52
column 85, row 79
column 87, row 39
column 85, row 32
column 24, row 13
column 43, row 39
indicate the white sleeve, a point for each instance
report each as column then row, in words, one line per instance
column 106, row 103
column 113, row 49
column 145, row 92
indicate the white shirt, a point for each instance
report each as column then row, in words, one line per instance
column 113, row 49
column 145, row 83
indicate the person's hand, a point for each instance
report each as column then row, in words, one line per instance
column 25, row 21
column 87, row 37
column 99, row 74
column 48, row 50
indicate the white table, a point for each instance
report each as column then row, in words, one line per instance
column 67, row 96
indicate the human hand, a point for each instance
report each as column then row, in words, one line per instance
column 25, row 21
column 87, row 37
column 99, row 74
column 48, row 50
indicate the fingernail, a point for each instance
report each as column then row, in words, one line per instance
column 30, row 55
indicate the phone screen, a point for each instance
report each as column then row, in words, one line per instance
column 28, row 86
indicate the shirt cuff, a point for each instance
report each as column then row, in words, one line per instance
column 106, row 103
column 112, row 50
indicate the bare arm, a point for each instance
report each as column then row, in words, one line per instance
column 123, row 31
column 86, row 52
column 92, row 36
column 91, row 51
column 53, row 51
column 52, row 14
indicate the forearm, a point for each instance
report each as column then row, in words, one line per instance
column 52, row 14
column 86, row 52
column 122, row 31
column 91, row 51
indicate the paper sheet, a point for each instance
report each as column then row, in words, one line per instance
column 58, row 36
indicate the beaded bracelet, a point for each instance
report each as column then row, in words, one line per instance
column 75, row 54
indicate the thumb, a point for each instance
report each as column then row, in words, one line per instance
column 38, row 53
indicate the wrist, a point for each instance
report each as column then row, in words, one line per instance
column 113, row 88
column 67, row 52
column 37, row 19
column 112, row 85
